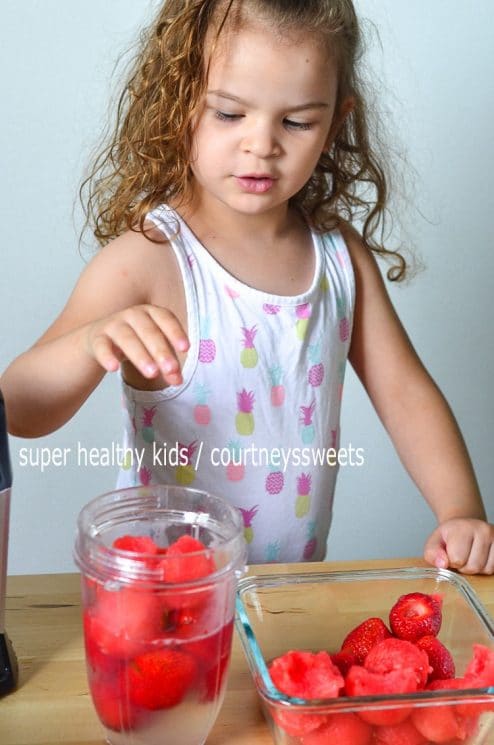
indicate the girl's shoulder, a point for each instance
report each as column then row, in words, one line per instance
column 133, row 269
column 145, row 260
column 361, row 255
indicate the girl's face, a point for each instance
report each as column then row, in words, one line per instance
column 267, row 117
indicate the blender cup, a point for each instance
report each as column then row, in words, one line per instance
column 159, row 567
column 8, row 662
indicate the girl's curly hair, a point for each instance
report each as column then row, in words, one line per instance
column 146, row 160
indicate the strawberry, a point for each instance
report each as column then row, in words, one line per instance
column 212, row 653
column 450, row 684
column 343, row 660
column 210, row 648
column 362, row 682
column 397, row 654
column 344, row 729
column 304, row 675
column 416, row 615
column 401, row 734
column 122, row 621
column 112, row 704
column 140, row 544
column 160, row 679
column 440, row 658
column 363, row 637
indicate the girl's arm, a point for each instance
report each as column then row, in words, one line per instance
column 108, row 318
column 419, row 421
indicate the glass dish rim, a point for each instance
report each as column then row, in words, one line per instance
column 272, row 695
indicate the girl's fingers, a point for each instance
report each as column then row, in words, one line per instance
column 162, row 335
column 170, row 327
column 477, row 558
column 104, row 353
column 489, row 567
column 148, row 336
column 130, row 347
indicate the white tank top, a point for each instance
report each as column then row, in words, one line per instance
column 256, row 419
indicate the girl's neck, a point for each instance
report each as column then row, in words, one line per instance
column 271, row 252
column 211, row 220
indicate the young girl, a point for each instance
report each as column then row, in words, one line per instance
column 232, row 287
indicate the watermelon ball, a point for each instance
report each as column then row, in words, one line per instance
column 304, row 675
column 398, row 654
column 401, row 734
column 362, row 682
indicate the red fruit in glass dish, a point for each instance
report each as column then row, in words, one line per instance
column 416, row 615
column 305, row 675
column 481, row 666
column 401, row 734
column 160, row 679
column 440, row 724
column 363, row 637
column 479, row 674
column 343, row 660
column 341, row 729
column 440, row 659
column 362, row 682
column 395, row 655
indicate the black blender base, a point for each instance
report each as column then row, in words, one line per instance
column 8, row 666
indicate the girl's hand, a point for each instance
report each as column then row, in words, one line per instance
column 146, row 335
column 465, row 544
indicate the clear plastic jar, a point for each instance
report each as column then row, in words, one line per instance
column 159, row 568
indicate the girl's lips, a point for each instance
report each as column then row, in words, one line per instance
column 255, row 184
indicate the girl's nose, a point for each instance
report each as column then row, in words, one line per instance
column 261, row 141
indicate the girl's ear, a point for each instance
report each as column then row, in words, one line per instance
column 345, row 108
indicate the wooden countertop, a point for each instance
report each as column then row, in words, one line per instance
column 52, row 705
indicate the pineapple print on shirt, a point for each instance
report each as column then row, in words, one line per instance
column 235, row 470
column 273, row 552
column 316, row 371
column 248, row 516
column 311, row 545
column 185, row 473
column 248, row 355
column 244, row 420
column 145, row 476
column 302, row 504
column 308, row 431
column 147, row 423
column 207, row 347
column 277, row 388
column 342, row 317
column 275, row 479
column 202, row 412
column 303, row 313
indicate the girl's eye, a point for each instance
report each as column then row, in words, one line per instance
column 297, row 125
column 226, row 117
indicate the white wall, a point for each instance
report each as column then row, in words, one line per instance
column 435, row 69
